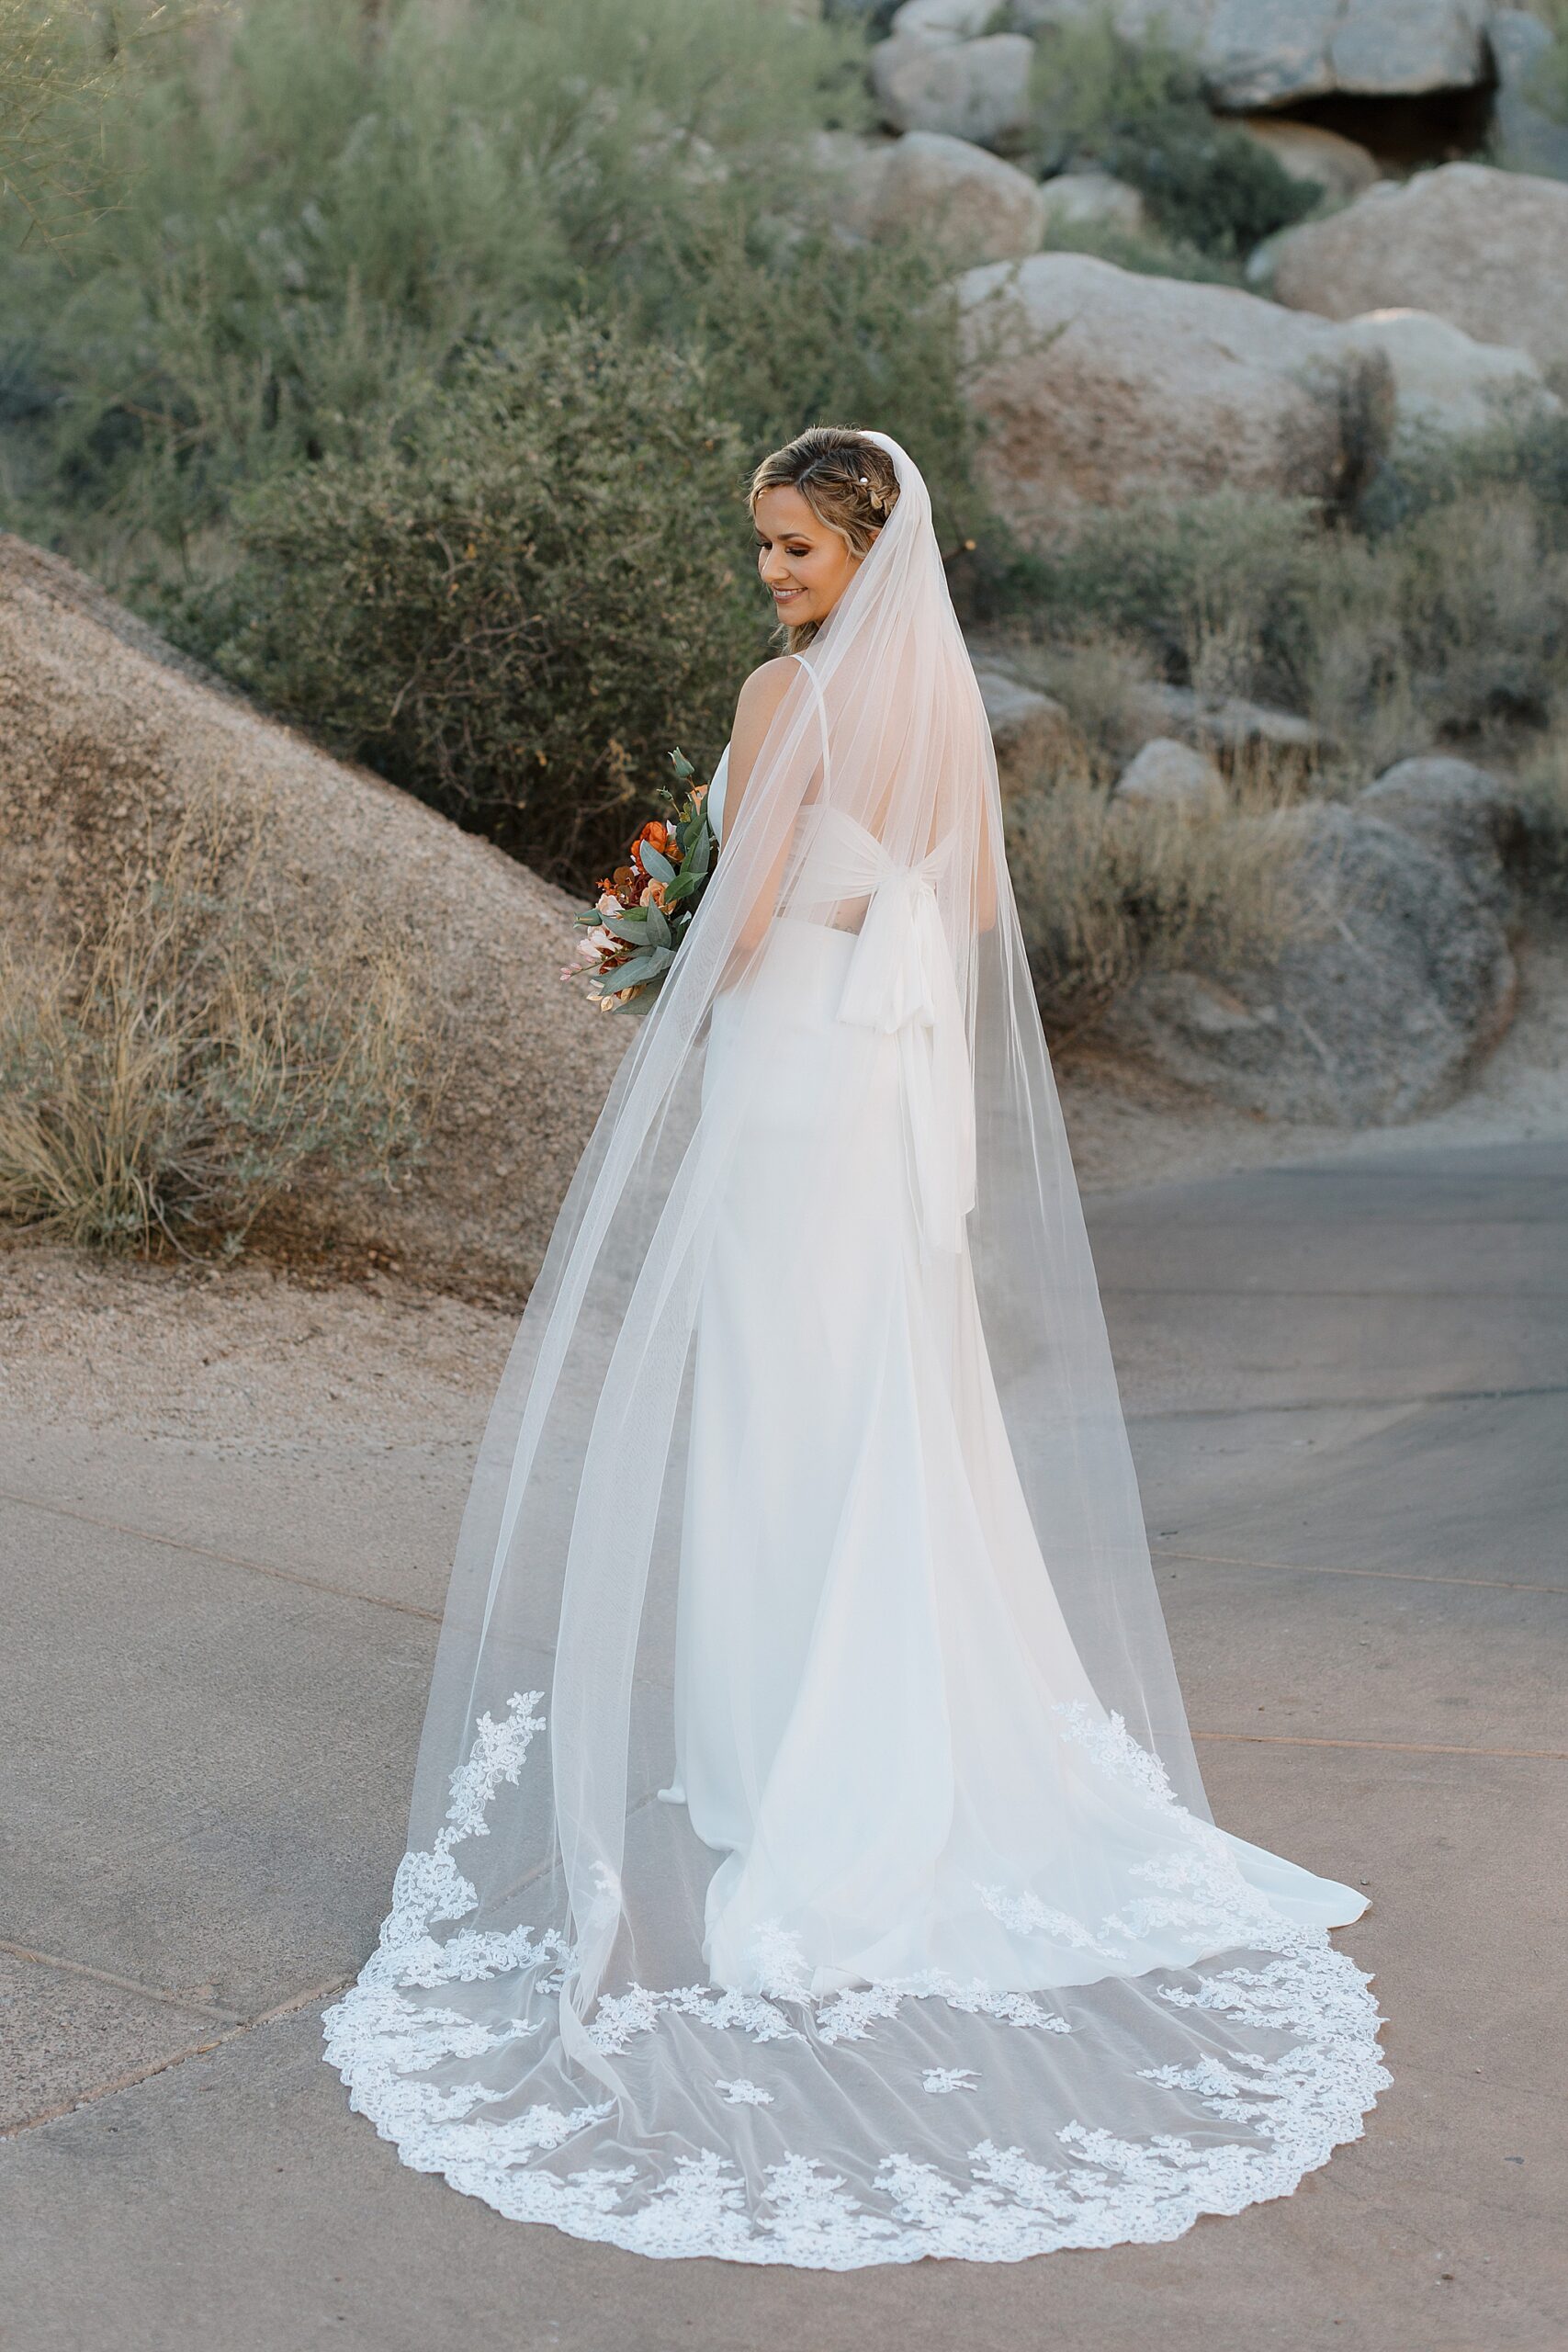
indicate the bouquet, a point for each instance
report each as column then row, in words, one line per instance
column 643, row 910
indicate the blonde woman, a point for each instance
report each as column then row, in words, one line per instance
column 808, row 1862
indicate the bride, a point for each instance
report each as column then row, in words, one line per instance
column 808, row 1861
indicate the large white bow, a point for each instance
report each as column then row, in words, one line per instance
column 901, row 982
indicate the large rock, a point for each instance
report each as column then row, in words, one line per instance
column 1099, row 385
column 1487, row 250
column 1277, row 52
column 1401, row 979
column 100, row 719
column 963, row 202
column 1341, row 167
column 1464, row 813
column 1444, row 382
column 1029, row 730
column 971, row 89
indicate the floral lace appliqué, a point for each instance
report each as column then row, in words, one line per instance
column 414, row 2063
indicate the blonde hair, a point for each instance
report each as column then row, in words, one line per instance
column 849, row 483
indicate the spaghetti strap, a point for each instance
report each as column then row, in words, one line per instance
column 821, row 714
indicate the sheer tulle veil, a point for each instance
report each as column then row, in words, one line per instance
column 539, row 2022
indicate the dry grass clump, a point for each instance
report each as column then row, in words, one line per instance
column 1542, row 786
column 1455, row 627
column 177, row 1063
column 1108, row 889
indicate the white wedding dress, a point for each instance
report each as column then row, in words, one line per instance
column 808, row 1861
column 960, row 1809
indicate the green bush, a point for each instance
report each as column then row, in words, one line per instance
column 1138, row 108
column 519, row 606
column 316, row 206
column 1454, row 626
column 1147, row 254
column 1173, row 573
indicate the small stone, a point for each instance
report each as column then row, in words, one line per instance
column 1168, row 775
column 1092, row 199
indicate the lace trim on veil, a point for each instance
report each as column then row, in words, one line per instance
column 1296, row 2107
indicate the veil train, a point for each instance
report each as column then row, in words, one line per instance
column 807, row 1861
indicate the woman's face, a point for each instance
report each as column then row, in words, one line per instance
column 804, row 566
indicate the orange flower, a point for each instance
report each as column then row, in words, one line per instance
column 658, row 836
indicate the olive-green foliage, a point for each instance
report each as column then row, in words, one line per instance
column 251, row 394
column 1548, row 83
column 321, row 203
column 1446, row 620
column 57, row 65
column 1150, row 255
column 1165, row 573
column 800, row 328
column 1138, row 108
column 519, row 605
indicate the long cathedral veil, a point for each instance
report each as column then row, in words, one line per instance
column 540, row 2023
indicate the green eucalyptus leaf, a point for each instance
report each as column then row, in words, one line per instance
column 654, row 862
column 637, row 969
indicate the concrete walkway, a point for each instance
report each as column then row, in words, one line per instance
column 1349, row 1391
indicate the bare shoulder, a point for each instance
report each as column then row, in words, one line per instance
column 767, row 685
column 758, row 706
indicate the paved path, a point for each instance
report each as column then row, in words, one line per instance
column 1349, row 1391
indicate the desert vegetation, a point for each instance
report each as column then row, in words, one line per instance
column 405, row 365
column 176, row 1060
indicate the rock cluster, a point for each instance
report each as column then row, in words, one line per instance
column 1403, row 975
column 1264, row 54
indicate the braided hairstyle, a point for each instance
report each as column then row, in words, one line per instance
column 848, row 482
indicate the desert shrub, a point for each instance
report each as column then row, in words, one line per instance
column 57, row 69
column 1150, row 255
column 1137, row 106
column 1450, row 621
column 518, row 607
column 873, row 339
column 1108, row 889
column 1456, row 624
column 1524, row 448
column 172, row 1070
column 323, row 205
column 1548, row 82
column 1170, row 572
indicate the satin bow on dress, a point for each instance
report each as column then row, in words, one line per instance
column 901, row 983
